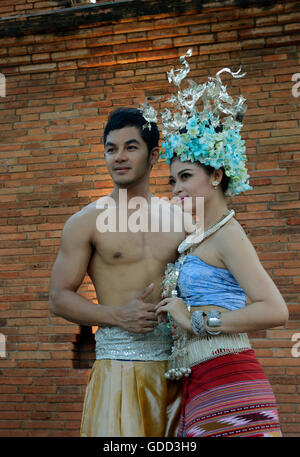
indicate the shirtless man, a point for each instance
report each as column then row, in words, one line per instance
column 127, row 393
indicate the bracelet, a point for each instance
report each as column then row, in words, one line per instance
column 213, row 320
column 197, row 323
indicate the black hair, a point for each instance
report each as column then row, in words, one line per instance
column 132, row 117
column 225, row 179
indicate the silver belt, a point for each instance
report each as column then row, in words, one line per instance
column 189, row 351
column 118, row 344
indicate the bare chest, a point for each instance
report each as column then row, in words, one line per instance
column 129, row 247
column 129, row 239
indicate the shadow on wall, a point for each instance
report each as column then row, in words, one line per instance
column 84, row 348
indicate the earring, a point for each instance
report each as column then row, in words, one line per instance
column 215, row 184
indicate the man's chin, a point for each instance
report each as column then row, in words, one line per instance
column 124, row 182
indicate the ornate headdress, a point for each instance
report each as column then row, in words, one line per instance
column 204, row 136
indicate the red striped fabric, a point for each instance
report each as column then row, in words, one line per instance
column 227, row 396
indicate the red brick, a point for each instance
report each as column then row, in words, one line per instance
column 62, row 88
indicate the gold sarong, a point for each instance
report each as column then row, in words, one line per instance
column 130, row 399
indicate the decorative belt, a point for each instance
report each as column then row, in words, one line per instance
column 189, row 350
column 115, row 343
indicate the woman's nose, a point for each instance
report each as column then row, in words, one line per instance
column 177, row 188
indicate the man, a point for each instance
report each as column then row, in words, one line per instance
column 127, row 393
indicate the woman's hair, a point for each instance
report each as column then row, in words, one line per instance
column 132, row 117
column 209, row 171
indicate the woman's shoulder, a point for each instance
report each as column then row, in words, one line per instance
column 231, row 236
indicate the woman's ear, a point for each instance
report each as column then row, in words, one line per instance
column 217, row 175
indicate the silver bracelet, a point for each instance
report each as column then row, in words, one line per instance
column 214, row 320
column 197, row 323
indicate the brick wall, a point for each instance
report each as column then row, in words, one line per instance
column 60, row 90
column 16, row 7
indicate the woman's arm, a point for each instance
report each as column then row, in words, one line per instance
column 267, row 308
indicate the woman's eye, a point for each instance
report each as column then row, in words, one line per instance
column 171, row 182
column 185, row 175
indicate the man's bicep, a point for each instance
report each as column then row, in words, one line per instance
column 73, row 257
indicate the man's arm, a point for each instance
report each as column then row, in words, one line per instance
column 67, row 275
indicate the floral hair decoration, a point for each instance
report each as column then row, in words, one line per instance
column 202, row 136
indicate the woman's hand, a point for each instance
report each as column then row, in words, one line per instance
column 178, row 310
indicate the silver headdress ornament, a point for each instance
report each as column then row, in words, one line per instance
column 210, row 136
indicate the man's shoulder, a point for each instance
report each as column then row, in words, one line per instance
column 83, row 219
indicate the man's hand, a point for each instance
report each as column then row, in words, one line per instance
column 137, row 316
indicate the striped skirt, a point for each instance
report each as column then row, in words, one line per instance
column 228, row 396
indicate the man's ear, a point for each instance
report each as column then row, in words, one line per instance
column 154, row 156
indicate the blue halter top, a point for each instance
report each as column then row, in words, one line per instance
column 201, row 284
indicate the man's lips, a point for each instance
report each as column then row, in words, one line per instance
column 121, row 169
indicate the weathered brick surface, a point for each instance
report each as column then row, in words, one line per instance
column 60, row 90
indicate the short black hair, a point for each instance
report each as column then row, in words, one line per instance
column 132, row 117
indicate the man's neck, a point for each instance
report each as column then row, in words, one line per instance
column 128, row 193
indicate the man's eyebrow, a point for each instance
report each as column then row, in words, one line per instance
column 109, row 144
column 133, row 140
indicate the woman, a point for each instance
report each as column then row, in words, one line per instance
column 225, row 391
column 228, row 393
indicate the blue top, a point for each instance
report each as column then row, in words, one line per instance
column 202, row 284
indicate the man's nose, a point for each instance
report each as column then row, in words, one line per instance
column 121, row 155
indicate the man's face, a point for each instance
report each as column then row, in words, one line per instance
column 126, row 155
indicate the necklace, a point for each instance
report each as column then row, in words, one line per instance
column 170, row 279
column 179, row 357
column 197, row 237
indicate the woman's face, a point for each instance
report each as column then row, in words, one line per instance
column 189, row 180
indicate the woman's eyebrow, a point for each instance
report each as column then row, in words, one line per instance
column 181, row 171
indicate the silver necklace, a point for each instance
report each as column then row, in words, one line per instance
column 170, row 279
column 197, row 237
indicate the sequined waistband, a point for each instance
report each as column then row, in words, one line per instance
column 190, row 351
column 117, row 344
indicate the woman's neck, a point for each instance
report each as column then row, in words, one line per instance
column 214, row 210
